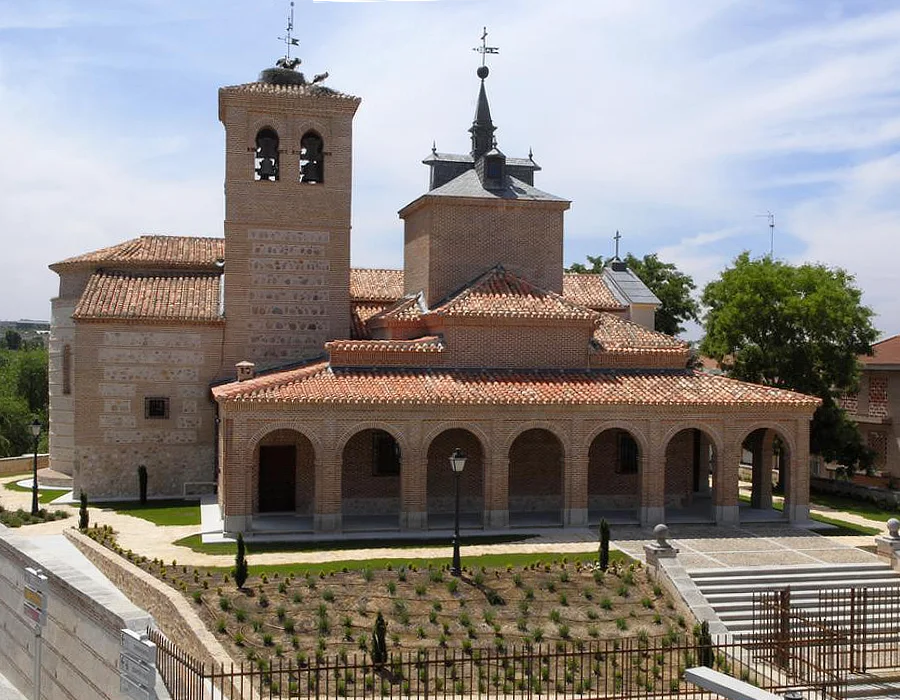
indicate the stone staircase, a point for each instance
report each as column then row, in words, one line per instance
column 730, row 591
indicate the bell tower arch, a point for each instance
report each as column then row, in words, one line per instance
column 288, row 166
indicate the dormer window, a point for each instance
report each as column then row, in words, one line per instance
column 493, row 169
column 312, row 158
column 265, row 160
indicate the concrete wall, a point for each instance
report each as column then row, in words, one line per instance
column 85, row 613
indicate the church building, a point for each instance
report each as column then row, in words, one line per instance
column 315, row 397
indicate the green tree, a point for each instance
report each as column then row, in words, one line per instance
column 794, row 327
column 672, row 288
column 15, row 418
column 12, row 339
column 32, row 382
column 241, row 567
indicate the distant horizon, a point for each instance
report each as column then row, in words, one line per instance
column 680, row 127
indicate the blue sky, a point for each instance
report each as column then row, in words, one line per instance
column 676, row 123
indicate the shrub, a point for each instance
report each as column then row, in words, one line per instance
column 241, row 568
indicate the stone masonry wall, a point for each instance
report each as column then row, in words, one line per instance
column 120, row 366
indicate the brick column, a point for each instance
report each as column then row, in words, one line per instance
column 414, row 484
column 796, row 505
column 237, row 473
column 575, row 484
column 327, row 513
column 726, row 478
column 762, row 489
column 496, row 496
column 652, row 468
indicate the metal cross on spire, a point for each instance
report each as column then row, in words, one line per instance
column 289, row 40
column 617, row 238
column 484, row 49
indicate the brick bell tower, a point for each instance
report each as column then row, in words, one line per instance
column 288, row 160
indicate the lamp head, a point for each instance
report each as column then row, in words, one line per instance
column 35, row 427
column 458, row 461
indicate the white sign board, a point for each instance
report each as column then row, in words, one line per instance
column 35, row 596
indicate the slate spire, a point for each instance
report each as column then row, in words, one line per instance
column 482, row 128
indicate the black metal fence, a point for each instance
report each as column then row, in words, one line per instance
column 635, row 667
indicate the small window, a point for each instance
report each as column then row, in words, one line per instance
column 156, row 407
column 385, row 454
column 628, row 454
column 265, row 159
column 312, row 158
column 493, row 169
column 67, row 369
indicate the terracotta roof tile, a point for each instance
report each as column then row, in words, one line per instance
column 120, row 296
column 406, row 309
column 499, row 293
column 615, row 334
column 368, row 284
column 180, row 252
column 312, row 90
column 322, row 384
column 590, row 290
column 428, row 343
column 886, row 352
column 360, row 313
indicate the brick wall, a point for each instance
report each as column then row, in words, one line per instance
column 535, row 471
column 608, row 487
column 441, row 479
column 878, row 396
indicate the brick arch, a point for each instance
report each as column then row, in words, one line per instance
column 254, row 440
column 531, row 425
column 714, row 433
column 639, row 435
column 392, row 430
column 301, row 474
column 270, row 121
column 310, row 124
column 779, row 429
column 440, row 482
column 536, row 475
column 456, row 424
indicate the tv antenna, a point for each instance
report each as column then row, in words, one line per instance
column 770, row 216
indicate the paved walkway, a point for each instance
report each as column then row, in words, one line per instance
column 701, row 546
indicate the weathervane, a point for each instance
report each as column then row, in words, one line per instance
column 484, row 50
column 617, row 238
column 289, row 41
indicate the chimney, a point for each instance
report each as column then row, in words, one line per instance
column 245, row 370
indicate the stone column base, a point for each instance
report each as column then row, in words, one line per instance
column 327, row 522
column 575, row 517
column 886, row 545
column 654, row 552
column 496, row 519
column 237, row 523
column 798, row 514
column 727, row 515
column 414, row 521
column 652, row 515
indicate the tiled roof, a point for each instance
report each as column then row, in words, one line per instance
column 429, row 343
column 435, row 157
column 156, row 251
column 359, row 314
column 499, row 293
column 614, row 334
column 886, row 352
column 313, row 90
column 122, row 296
column 323, row 384
column 367, row 284
column 407, row 309
column 589, row 290
column 469, row 185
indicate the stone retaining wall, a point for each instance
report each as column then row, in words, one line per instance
column 22, row 465
column 171, row 610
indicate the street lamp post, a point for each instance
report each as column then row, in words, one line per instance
column 457, row 463
column 36, row 432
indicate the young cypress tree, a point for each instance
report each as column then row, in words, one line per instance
column 379, row 647
column 604, row 544
column 142, row 484
column 83, row 517
column 241, row 568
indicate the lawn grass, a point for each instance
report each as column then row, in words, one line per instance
column 843, row 526
column 163, row 512
column 864, row 509
column 193, row 542
column 44, row 496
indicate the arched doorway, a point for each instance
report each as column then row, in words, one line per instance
column 370, row 481
column 441, row 486
column 285, row 474
column 536, row 479
column 764, row 470
column 691, row 474
column 614, row 461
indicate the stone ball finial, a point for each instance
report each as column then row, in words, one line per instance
column 661, row 533
column 483, row 72
column 893, row 526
